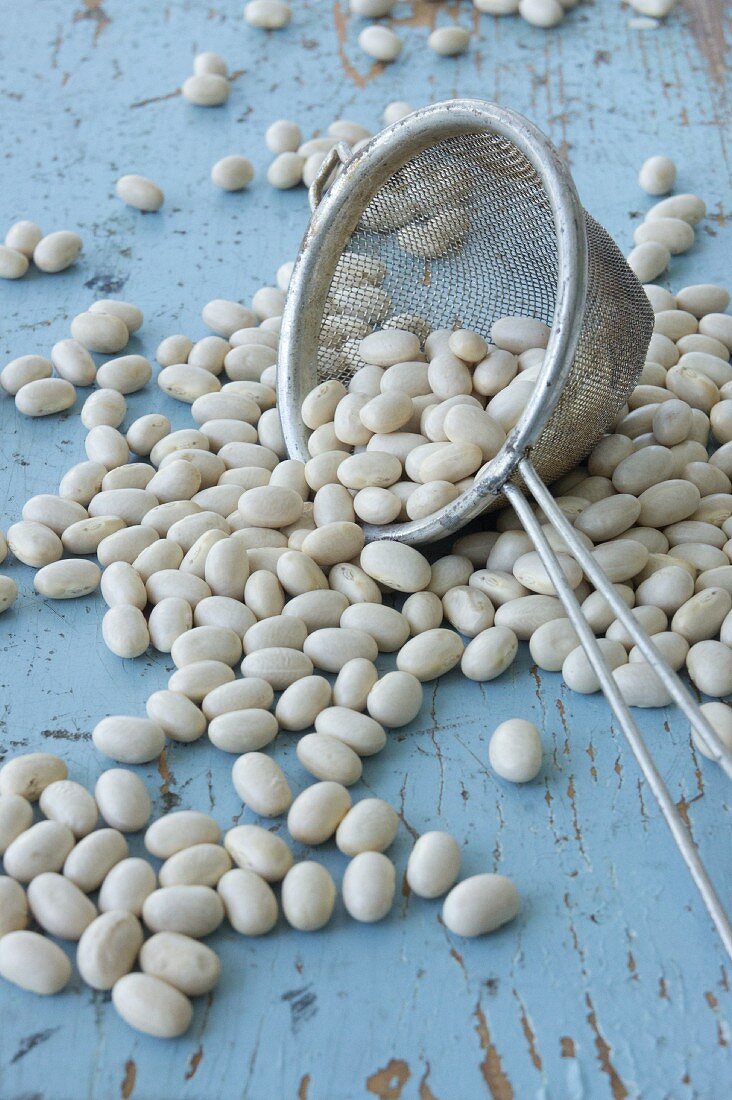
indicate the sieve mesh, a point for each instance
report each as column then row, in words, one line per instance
column 466, row 234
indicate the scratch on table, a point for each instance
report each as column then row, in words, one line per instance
column 303, row 1004
column 341, row 27
column 30, row 1042
column 302, row 1091
column 438, row 750
column 128, row 1081
column 194, row 1062
column 590, row 750
column 491, row 1067
column 94, row 12
column 400, row 813
column 572, row 795
column 528, row 1032
column 387, row 1083
column 423, row 14
column 561, row 711
column 536, row 677
column 567, row 1047
column 176, row 92
column 425, row 1092
column 498, row 845
column 170, row 798
column 722, row 1033
column 604, row 1051
column 706, row 22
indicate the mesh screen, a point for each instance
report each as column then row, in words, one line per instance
column 463, row 234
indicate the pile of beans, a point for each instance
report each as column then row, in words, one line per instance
column 298, row 162
column 668, row 227
column 25, row 243
column 218, row 549
column 208, row 85
column 75, row 878
column 104, row 328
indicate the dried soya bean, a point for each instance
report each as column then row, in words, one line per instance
column 479, row 905
column 256, row 849
column 434, row 865
column 94, row 856
column 206, row 89
column 129, row 740
column 59, row 906
column 152, row 1006
column 57, row 251
column 16, row 815
column 317, row 812
column 43, row 847
column 514, row 751
column 175, row 831
column 123, row 800
column 261, row 785
column 182, row 962
column 270, row 15
column 657, row 175
column 195, row 911
column 32, row 962
column 29, row 775
column 45, row 396
column 369, row 883
column 140, row 192
column 126, row 886
column 71, row 804
column 232, row 173
column 13, row 906
column 308, row 896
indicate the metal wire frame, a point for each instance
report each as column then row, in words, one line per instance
column 640, row 750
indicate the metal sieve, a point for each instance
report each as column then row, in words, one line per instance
column 457, row 215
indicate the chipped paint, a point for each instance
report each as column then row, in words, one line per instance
column 491, row 1067
column 388, row 1083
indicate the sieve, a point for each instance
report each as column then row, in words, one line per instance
column 469, row 214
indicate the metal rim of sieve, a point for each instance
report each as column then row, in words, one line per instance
column 335, row 218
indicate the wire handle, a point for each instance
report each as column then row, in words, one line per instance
column 640, row 750
column 671, row 681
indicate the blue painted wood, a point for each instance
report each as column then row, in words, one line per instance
column 611, row 982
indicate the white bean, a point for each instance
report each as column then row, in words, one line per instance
column 71, row 804
column 140, row 192
column 182, row 962
column 152, row 1006
column 317, row 812
column 368, row 888
column 29, row 775
column 256, row 849
column 308, row 896
column 43, row 847
column 479, row 905
column 515, row 752
column 59, row 906
column 189, row 910
column 261, row 784
column 32, row 962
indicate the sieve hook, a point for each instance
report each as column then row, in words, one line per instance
column 338, row 155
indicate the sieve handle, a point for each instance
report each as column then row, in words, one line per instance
column 707, row 735
column 339, row 154
column 679, row 831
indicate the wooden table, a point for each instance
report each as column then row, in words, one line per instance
column 611, row 983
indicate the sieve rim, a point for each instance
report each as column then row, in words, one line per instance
column 341, row 208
